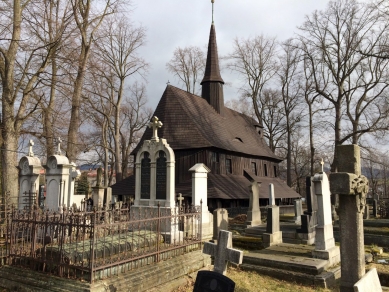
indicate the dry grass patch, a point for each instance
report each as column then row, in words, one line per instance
column 246, row 281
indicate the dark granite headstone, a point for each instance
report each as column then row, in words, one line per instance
column 309, row 218
column 209, row 281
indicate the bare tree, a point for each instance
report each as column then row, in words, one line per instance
column 289, row 74
column 188, row 65
column 270, row 105
column 355, row 84
column 118, row 51
column 255, row 60
column 88, row 17
column 20, row 76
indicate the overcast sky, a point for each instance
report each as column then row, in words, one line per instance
column 180, row 23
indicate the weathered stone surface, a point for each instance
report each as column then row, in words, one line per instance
column 223, row 252
column 220, row 222
column 254, row 213
column 368, row 258
column 369, row 282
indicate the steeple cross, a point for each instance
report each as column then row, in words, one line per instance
column 30, row 144
column 155, row 124
column 59, row 141
column 213, row 1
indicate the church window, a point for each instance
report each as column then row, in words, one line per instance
column 161, row 176
column 254, row 168
column 228, row 166
column 265, row 168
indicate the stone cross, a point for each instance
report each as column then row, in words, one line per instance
column 223, row 252
column 59, row 141
column 272, row 199
column 30, row 144
column 180, row 199
column 155, row 124
column 352, row 188
column 322, row 165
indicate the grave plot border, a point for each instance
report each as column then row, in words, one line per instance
column 90, row 246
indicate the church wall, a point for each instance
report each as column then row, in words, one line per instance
column 216, row 160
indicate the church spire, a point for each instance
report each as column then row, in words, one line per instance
column 212, row 84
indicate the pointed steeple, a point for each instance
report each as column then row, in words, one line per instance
column 212, row 84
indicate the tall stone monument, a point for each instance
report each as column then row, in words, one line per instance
column 154, row 182
column 30, row 167
column 60, row 180
column 254, row 212
column 352, row 188
column 200, row 194
column 324, row 241
column 273, row 235
column 154, row 174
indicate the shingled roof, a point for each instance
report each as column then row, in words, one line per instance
column 190, row 122
column 212, row 71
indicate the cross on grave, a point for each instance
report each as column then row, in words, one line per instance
column 30, row 144
column 155, row 124
column 223, row 252
column 59, row 141
column 322, row 165
column 180, row 199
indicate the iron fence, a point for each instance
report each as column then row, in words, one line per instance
column 98, row 244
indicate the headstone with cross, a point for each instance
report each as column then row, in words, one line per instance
column 180, row 199
column 352, row 188
column 223, row 252
column 324, row 240
column 155, row 124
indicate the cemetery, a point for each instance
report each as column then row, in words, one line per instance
column 204, row 200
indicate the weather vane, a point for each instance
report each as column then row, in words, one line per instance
column 213, row 1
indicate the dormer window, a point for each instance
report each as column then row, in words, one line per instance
column 237, row 139
column 259, row 130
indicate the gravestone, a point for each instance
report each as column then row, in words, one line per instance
column 154, row 183
column 254, row 213
column 30, row 167
column 60, row 180
column 273, row 235
column 208, row 281
column 298, row 210
column 352, row 188
column 366, row 213
column 369, row 282
column 223, row 252
column 200, row 194
column 375, row 208
column 307, row 230
column 324, row 240
column 154, row 174
column 220, row 222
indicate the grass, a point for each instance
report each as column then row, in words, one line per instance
column 246, row 281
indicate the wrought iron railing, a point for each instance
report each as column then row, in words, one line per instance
column 101, row 243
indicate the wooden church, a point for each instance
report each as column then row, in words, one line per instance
column 200, row 129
